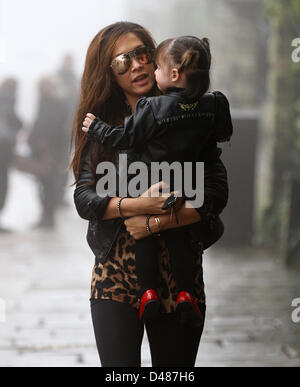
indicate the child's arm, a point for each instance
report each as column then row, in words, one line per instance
column 223, row 122
column 137, row 129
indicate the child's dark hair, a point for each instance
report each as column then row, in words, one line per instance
column 193, row 56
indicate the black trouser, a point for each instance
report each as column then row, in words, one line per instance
column 5, row 161
column 3, row 184
column 181, row 259
column 52, row 189
column 119, row 334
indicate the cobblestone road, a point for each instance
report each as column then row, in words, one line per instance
column 45, row 280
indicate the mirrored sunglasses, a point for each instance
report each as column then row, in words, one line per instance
column 122, row 63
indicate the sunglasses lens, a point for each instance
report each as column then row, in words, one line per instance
column 144, row 55
column 121, row 64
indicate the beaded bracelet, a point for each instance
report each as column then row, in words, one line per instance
column 119, row 209
column 147, row 225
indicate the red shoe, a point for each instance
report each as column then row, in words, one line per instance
column 187, row 306
column 149, row 308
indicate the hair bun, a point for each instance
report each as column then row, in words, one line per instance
column 206, row 43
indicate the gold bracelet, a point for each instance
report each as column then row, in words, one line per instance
column 158, row 223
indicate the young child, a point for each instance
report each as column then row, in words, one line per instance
column 181, row 125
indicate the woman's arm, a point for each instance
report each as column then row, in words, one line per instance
column 91, row 206
column 186, row 215
column 215, row 200
column 135, row 206
column 136, row 226
column 215, row 192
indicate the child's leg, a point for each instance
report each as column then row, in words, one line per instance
column 146, row 263
column 181, row 259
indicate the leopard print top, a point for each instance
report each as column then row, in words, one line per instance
column 117, row 280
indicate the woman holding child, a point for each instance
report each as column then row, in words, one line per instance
column 111, row 92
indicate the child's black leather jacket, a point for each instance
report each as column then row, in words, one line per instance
column 169, row 127
column 102, row 234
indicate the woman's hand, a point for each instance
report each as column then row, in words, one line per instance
column 89, row 118
column 136, row 226
column 153, row 199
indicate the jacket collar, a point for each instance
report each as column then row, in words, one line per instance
column 174, row 90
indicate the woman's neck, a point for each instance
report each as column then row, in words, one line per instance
column 131, row 101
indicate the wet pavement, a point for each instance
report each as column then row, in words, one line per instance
column 45, row 285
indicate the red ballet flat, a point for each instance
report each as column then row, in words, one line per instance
column 149, row 308
column 188, row 308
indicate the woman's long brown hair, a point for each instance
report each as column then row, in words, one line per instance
column 100, row 95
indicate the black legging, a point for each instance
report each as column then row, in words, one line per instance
column 119, row 334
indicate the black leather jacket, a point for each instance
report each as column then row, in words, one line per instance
column 90, row 206
column 169, row 127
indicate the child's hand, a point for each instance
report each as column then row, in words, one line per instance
column 87, row 122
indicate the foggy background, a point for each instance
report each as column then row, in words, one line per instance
column 251, row 275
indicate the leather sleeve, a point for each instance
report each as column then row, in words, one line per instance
column 88, row 203
column 223, row 122
column 215, row 185
column 137, row 130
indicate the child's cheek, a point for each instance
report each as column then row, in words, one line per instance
column 157, row 77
